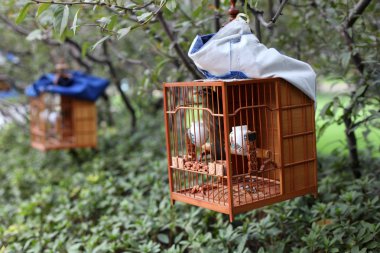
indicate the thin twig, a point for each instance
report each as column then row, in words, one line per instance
column 114, row 75
column 79, row 49
column 260, row 15
column 184, row 58
column 367, row 119
column 217, row 15
column 115, row 6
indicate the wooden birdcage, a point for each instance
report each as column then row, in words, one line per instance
column 233, row 146
column 62, row 122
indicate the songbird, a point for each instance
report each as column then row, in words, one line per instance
column 214, row 124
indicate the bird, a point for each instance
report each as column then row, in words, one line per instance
column 214, row 124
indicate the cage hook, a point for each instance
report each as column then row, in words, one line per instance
column 62, row 76
column 232, row 10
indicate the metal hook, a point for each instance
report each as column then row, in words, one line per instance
column 244, row 17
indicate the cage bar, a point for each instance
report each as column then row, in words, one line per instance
column 233, row 146
column 62, row 122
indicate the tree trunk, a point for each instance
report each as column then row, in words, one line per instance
column 352, row 146
column 106, row 99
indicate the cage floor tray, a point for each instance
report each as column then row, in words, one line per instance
column 246, row 191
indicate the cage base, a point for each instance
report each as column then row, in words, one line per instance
column 247, row 190
column 61, row 145
column 244, row 207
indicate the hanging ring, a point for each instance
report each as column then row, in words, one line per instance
column 244, row 17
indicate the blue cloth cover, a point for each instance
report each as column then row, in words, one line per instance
column 8, row 94
column 83, row 86
column 235, row 52
column 198, row 44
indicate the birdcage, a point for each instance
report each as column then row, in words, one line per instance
column 62, row 122
column 233, row 146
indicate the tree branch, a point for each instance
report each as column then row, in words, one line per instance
column 117, row 82
column 78, row 58
column 138, row 7
column 367, row 119
column 123, row 58
column 112, row 6
column 355, row 57
column 79, row 49
column 355, row 13
column 257, row 28
column 216, row 15
column 22, row 31
column 270, row 8
column 347, row 24
column 260, row 14
column 184, row 58
column 14, row 27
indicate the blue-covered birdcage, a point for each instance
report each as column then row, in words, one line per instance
column 62, row 109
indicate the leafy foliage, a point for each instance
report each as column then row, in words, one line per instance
column 309, row 30
column 116, row 199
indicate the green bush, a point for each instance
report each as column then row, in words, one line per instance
column 116, row 199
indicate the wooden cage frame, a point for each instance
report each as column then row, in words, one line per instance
column 279, row 162
column 62, row 122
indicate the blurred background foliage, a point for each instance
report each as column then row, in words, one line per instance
column 115, row 199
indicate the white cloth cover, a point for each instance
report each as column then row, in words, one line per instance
column 234, row 52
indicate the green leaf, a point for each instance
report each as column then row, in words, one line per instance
column 197, row 12
column 99, row 42
column 23, row 12
column 65, row 19
column 41, row 8
column 112, row 23
column 326, row 110
column 74, row 25
column 171, row 5
column 144, row 16
column 129, row 6
column 242, row 243
column 104, row 21
column 123, row 32
column 57, row 17
column 261, row 250
column 355, row 249
column 34, row 35
column 359, row 92
column 345, row 59
column 178, row 238
column 164, row 238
